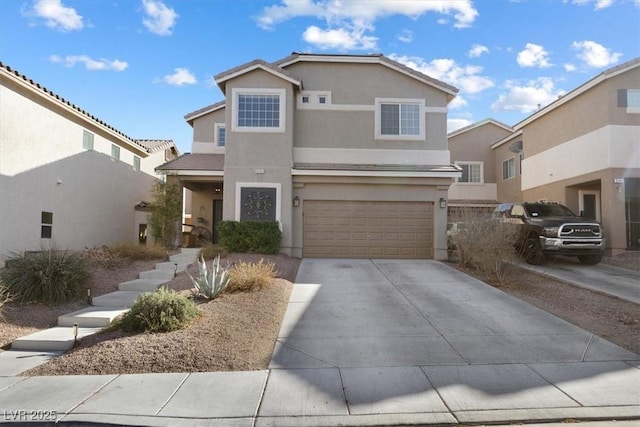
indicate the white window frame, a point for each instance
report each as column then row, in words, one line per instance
column 378, row 118
column 481, row 164
column 216, row 135
column 87, row 140
column 313, row 97
column 115, row 153
column 277, row 186
column 513, row 175
column 137, row 162
column 236, row 92
column 633, row 94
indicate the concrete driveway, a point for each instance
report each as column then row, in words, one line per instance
column 402, row 336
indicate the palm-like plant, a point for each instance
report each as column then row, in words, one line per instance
column 212, row 283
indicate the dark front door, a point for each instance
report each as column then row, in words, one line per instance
column 632, row 211
column 217, row 217
column 589, row 206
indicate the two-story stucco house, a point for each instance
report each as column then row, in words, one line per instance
column 582, row 150
column 470, row 150
column 348, row 153
column 67, row 177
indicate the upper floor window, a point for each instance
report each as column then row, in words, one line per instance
column 87, row 140
column 314, row 99
column 400, row 119
column 136, row 163
column 46, row 227
column 220, row 135
column 115, row 152
column 509, row 168
column 629, row 98
column 259, row 110
column 471, row 172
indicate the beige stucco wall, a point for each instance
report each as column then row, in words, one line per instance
column 43, row 167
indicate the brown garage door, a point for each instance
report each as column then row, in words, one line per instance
column 368, row 229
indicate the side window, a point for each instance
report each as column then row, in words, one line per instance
column 46, row 227
column 517, row 211
column 136, row 163
column 115, row 153
column 87, row 140
column 508, row 169
column 220, row 135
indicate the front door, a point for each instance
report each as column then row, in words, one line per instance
column 590, row 204
column 217, row 217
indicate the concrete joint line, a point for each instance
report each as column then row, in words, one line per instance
column 344, row 392
column 306, row 354
column 88, row 397
column 444, row 402
column 172, row 395
column 262, row 392
column 584, row 353
column 555, row 386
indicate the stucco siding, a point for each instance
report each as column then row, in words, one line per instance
column 204, row 126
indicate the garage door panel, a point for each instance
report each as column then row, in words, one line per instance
column 368, row 229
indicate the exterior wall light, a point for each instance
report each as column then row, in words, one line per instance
column 296, row 201
column 443, row 203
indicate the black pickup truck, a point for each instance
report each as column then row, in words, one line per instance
column 552, row 229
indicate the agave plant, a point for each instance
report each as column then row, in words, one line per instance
column 212, row 283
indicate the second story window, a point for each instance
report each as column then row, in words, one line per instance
column 508, row 169
column 136, row 163
column 400, row 119
column 471, row 172
column 258, row 110
column 87, row 140
column 115, row 153
column 220, row 135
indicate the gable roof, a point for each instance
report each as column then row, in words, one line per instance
column 605, row 75
column 203, row 111
column 141, row 146
column 379, row 58
column 256, row 64
column 477, row 125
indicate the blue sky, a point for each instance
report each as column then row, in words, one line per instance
column 142, row 65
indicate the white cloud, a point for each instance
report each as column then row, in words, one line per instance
column 466, row 78
column 160, row 18
column 340, row 39
column 180, row 77
column 570, row 68
column 89, row 63
column 458, row 102
column 594, row 54
column 599, row 4
column 58, row 16
column 533, row 55
column 351, row 20
column 406, row 36
column 478, row 50
column 529, row 97
column 455, row 124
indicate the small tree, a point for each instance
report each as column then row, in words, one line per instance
column 166, row 212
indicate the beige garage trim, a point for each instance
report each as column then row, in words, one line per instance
column 353, row 229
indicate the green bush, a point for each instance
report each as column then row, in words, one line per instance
column 161, row 311
column 249, row 276
column 250, row 236
column 211, row 251
column 212, row 283
column 50, row 276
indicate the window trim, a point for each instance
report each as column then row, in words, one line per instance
column 216, row 134
column 513, row 160
column 408, row 101
column 115, row 153
column 633, row 109
column 471, row 163
column 236, row 92
column 46, row 224
column 137, row 163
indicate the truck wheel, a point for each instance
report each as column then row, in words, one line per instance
column 590, row 259
column 532, row 253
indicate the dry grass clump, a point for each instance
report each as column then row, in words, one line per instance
column 250, row 276
column 123, row 253
column 211, row 251
column 5, row 297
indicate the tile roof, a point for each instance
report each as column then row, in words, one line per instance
column 374, row 167
column 198, row 161
column 37, row 87
column 222, row 77
column 478, row 124
column 204, row 110
column 153, row 145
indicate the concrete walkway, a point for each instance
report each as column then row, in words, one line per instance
column 374, row 342
column 613, row 281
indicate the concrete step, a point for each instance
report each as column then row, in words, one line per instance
column 184, row 258
column 142, row 285
column 172, row 266
column 13, row 363
column 189, row 251
column 117, row 299
column 53, row 339
column 91, row 317
column 157, row 274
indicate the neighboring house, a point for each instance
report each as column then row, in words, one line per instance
column 476, row 191
column 348, row 153
column 582, row 150
column 65, row 176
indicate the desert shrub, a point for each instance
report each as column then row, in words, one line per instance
column 161, row 311
column 50, row 276
column 249, row 276
column 212, row 283
column 260, row 237
column 485, row 245
column 211, row 251
column 5, row 297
